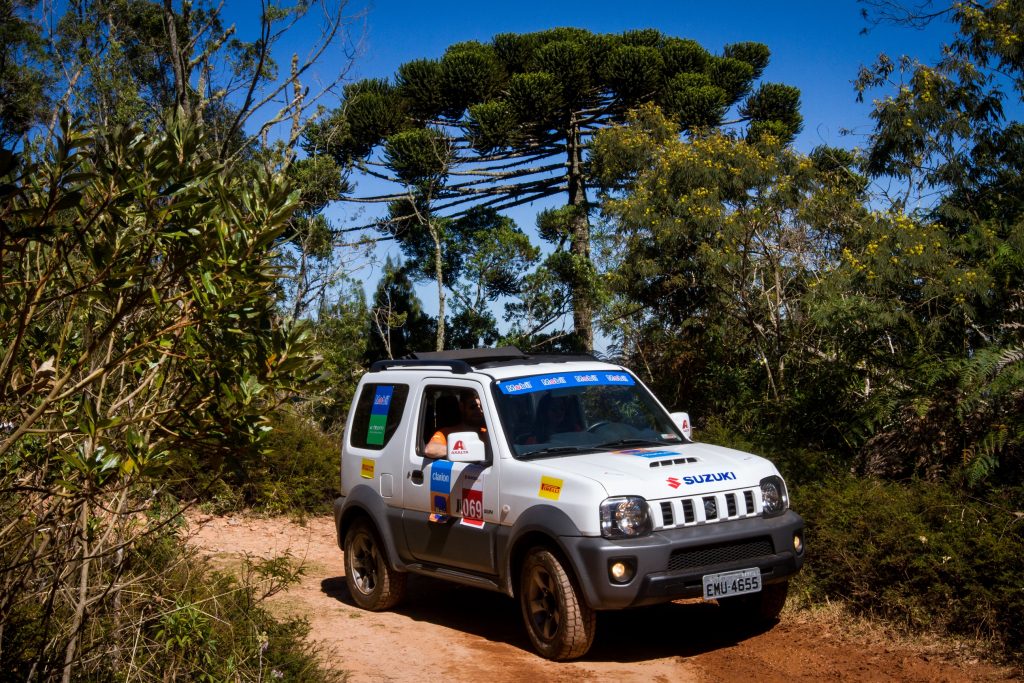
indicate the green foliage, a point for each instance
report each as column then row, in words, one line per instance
column 373, row 111
column 397, row 324
column 170, row 616
column 684, row 55
column 419, row 156
column 420, row 84
column 296, row 468
column 23, row 83
column 535, row 99
column 773, row 108
column 138, row 327
column 693, row 100
column 633, row 72
column 919, row 554
column 492, row 126
column 756, row 55
column 470, row 72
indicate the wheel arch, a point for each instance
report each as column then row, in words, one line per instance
column 364, row 503
column 541, row 526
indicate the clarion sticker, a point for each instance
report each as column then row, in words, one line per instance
column 708, row 478
column 440, row 490
column 550, row 488
column 366, row 470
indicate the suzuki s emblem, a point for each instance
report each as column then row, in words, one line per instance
column 673, row 482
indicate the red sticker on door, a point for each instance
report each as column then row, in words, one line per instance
column 473, row 507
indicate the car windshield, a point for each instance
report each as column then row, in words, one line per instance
column 575, row 412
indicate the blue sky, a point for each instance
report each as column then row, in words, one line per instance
column 816, row 46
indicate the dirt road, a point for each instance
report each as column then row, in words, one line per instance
column 447, row 632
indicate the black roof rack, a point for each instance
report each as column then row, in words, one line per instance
column 461, row 361
column 459, row 367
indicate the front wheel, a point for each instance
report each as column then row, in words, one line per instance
column 374, row 585
column 560, row 623
column 757, row 608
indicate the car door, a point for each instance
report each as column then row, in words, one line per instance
column 451, row 509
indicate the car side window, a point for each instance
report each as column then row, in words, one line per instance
column 446, row 409
column 378, row 412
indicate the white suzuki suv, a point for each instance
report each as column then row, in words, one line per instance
column 558, row 480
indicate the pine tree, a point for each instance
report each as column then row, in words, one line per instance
column 508, row 122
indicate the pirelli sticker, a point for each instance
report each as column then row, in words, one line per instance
column 550, row 488
column 366, row 470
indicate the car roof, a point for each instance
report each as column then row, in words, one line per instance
column 498, row 363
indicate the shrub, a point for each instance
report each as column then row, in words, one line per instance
column 298, row 470
column 169, row 616
column 295, row 470
column 921, row 554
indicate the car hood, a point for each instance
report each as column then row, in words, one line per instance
column 666, row 471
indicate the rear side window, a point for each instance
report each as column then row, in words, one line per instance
column 378, row 412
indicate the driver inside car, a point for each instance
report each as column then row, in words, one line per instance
column 471, row 416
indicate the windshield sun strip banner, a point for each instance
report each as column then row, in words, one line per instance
column 534, row 383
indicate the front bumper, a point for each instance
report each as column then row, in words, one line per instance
column 670, row 563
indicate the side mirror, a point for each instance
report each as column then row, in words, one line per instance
column 466, row 447
column 682, row 421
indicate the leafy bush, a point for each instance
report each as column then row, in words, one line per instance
column 921, row 554
column 295, row 470
column 136, row 315
column 169, row 616
column 298, row 470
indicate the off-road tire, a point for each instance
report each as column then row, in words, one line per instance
column 757, row 608
column 558, row 620
column 371, row 581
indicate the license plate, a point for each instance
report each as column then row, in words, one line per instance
column 732, row 583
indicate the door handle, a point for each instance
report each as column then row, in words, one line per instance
column 416, row 476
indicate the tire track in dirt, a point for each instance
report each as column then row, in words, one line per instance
column 462, row 633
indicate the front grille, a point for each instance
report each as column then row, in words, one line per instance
column 718, row 554
column 688, row 516
column 707, row 508
column 710, row 508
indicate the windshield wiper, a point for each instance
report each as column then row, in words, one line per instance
column 625, row 443
column 556, row 450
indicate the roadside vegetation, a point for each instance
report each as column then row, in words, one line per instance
column 181, row 324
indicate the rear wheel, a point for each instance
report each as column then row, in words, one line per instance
column 374, row 585
column 757, row 608
column 559, row 622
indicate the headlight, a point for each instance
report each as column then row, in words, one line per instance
column 774, row 496
column 625, row 517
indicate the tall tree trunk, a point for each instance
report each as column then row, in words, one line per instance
column 439, row 276
column 178, row 61
column 582, row 297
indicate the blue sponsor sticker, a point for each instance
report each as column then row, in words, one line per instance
column 382, row 400
column 440, row 489
column 644, row 453
column 529, row 385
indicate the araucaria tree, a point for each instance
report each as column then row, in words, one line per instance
column 519, row 112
